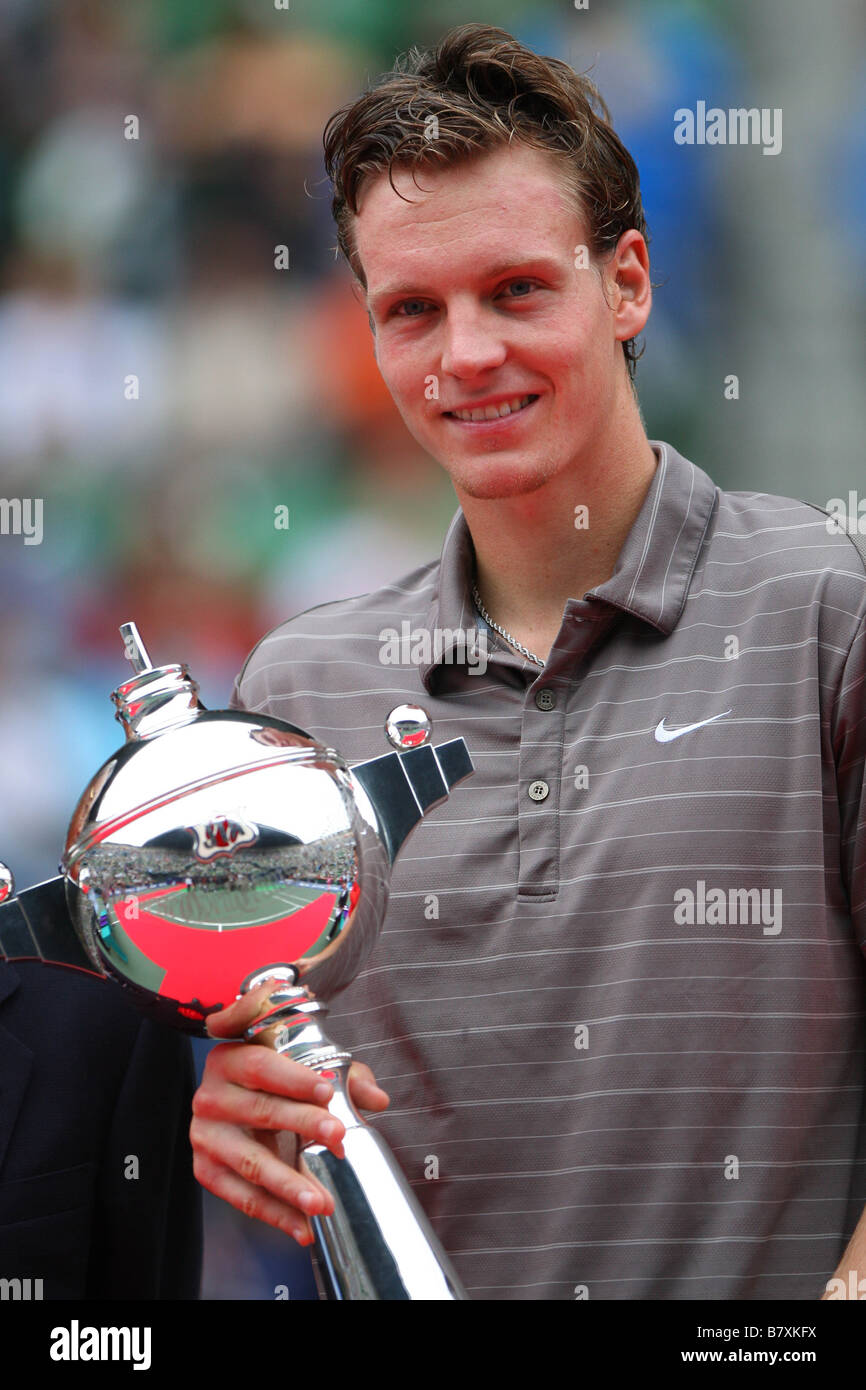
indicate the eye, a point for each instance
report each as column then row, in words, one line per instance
column 416, row 308
column 406, row 304
column 527, row 286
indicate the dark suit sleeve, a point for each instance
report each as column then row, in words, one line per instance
column 849, row 742
column 147, row 1229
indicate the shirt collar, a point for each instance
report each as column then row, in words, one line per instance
column 654, row 569
column 652, row 574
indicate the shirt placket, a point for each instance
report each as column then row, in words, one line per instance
column 542, row 740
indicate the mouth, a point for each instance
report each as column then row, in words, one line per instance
column 492, row 416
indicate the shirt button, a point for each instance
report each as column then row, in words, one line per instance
column 546, row 698
column 538, row 790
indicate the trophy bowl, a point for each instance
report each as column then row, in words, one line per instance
column 229, row 845
column 216, row 848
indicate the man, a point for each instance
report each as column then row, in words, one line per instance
column 619, row 998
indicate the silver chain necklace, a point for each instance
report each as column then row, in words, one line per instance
column 512, row 641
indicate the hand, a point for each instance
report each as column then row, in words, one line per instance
column 248, row 1113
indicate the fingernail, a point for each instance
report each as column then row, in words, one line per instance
column 321, row 1093
column 308, row 1200
column 328, row 1129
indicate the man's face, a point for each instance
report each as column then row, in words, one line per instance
column 476, row 290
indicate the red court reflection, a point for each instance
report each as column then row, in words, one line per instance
column 207, row 964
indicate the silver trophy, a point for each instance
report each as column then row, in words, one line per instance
column 216, row 849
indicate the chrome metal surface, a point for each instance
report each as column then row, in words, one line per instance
column 134, row 649
column 377, row 1244
column 218, row 845
column 155, row 700
column 7, row 883
column 228, row 844
column 36, row 925
column 408, row 726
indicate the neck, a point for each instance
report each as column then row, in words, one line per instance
column 531, row 557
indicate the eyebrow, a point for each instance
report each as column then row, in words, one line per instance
column 524, row 263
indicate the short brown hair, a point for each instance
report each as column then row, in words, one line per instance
column 485, row 89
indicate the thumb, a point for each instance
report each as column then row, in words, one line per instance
column 365, row 1090
column 231, row 1021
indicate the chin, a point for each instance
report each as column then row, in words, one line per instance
column 490, row 477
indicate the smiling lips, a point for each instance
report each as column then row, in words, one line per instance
column 484, row 414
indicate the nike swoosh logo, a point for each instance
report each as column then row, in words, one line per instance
column 664, row 735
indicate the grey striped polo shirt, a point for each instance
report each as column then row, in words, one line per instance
column 620, row 995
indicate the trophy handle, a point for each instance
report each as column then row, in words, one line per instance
column 378, row 1243
column 36, row 925
column 403, row 787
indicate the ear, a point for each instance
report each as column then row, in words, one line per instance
column 627, row 281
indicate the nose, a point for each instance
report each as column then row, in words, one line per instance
column 473, row 342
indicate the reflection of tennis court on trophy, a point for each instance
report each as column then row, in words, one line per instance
column 224, row 909
column 192, row 943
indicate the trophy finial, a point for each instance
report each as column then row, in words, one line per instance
column 156, row 697
column 134, row 649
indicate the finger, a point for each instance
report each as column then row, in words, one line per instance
column 252, row 1201
column 285, row 1147
column 260, row 1111
column 262, row 1069
column 365, row 1090
column 218, row 1145
column 243, row 1085
column 231, row 1021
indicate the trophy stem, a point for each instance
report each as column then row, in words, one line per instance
column 378, row 1244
